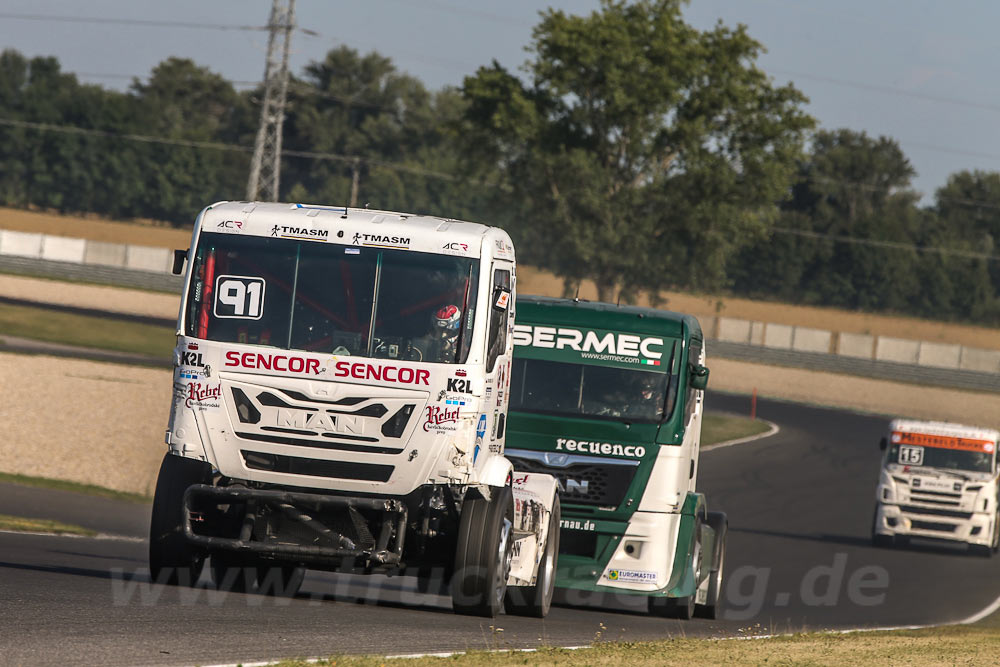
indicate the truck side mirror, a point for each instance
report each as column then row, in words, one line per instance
column 699, row 377
column 882, row 444
column 179, row 257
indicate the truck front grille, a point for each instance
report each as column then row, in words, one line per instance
column 601, row 484
column 296, row 465
column 936, row 511
column 933, row 525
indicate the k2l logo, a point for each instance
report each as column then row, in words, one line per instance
column 191, row 359
column 459, row 386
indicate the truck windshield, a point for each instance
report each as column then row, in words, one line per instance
column 583, row 390
column 936, row 457
column 326, row 297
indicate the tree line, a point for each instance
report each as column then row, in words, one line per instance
column 631, row 149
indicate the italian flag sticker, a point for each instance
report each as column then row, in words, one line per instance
column 650, row 362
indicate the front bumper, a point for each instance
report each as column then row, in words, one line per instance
column 972, row 528
column 384, row 550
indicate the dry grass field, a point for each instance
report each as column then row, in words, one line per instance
column 537, row 281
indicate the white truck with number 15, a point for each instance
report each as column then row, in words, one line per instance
column 939, row 481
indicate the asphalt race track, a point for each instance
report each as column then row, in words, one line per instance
column 800, row 505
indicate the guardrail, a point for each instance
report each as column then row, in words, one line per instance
column 764, row 342
column 119, row 264
column 765, row 336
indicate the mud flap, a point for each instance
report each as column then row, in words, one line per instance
column 534, row 495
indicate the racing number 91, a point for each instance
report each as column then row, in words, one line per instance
column 239, row 297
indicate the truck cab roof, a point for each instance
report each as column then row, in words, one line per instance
column 943, row 429
column 353, row 226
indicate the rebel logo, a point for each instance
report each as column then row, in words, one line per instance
column 459, row 386
column 438, row 417
column 203, row 395
column 191, row 359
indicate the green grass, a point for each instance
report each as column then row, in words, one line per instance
column 75, row 487
column 86, row 331
column 936, row 646
column 717, row 427
column 22, row 525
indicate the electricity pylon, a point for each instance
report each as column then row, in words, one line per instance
column 265, row 170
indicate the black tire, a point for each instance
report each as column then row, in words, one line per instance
column 483, row 554
column 718, row 522
column 233, row 574
column 282, row 581
column 681, row 608
column 537, row 600
column 172, row 559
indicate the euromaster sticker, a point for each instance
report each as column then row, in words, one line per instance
column 632, row 576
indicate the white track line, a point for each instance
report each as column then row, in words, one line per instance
column 772, row 429
column 99, row 536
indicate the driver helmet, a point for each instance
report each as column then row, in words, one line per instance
column 647, row 388
column 447, row 320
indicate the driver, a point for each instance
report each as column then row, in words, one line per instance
column 446, row 322
column 644, row 401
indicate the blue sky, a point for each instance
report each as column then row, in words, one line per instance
column 920, row 71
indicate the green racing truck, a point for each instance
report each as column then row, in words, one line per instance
column 609, row 400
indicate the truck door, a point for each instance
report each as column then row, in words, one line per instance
column 492, row 424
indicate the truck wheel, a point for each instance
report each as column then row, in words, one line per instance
column 718, row 522
column 682, row 608
column 281, row 581
column 232, row 573
column 536, row 600
column 172, row 559
column 484, row 553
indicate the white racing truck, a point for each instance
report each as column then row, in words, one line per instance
column 340, row 395
column 938, row 480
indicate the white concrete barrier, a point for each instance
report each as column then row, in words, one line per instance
column 62, row 249
column 756, row 333
column 778, row 336
column 732, row 330
column 939, row 355
column 975, row 359
column 145, row 258
column 900, row 350
column 20, row 244
column 860, row 346
column 805, row 339
column 105, row 254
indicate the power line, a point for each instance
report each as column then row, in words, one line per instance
column 142, row 22
column 210, row 145
column 896, row 245
column 888, row 90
